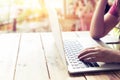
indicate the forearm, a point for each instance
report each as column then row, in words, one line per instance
column 97, row 23
column 115, row 55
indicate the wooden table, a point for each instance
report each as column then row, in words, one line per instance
column 34, row 56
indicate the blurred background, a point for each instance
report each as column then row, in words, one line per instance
column 32, row 15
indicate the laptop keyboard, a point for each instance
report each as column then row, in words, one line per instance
column 72, row 50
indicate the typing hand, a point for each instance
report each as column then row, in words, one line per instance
column 99, row 54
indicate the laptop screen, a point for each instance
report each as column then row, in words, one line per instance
column 56, row 30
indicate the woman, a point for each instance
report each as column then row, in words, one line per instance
column 100, row 25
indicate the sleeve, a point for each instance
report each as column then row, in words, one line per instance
column 113, row 9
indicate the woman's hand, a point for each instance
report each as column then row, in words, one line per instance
column 99, row 54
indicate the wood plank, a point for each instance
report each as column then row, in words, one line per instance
column 31, row 61
column 56, row 67
column 8, row 52
column 102, row 76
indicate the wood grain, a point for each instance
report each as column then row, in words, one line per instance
column 9, row 44
column 31, row 63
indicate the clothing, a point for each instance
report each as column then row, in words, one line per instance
column 113, row 10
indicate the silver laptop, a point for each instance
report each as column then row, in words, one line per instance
column 69, row 49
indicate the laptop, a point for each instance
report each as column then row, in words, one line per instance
column 69, row 49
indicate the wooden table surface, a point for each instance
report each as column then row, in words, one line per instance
column 34, row 56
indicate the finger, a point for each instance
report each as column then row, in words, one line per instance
column 87, row 51
column 89, row 55
column 90, row 59
column 95, row 59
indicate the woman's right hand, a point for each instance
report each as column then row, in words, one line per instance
column 99, row 54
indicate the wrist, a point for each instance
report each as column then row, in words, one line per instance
column 117, row 59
